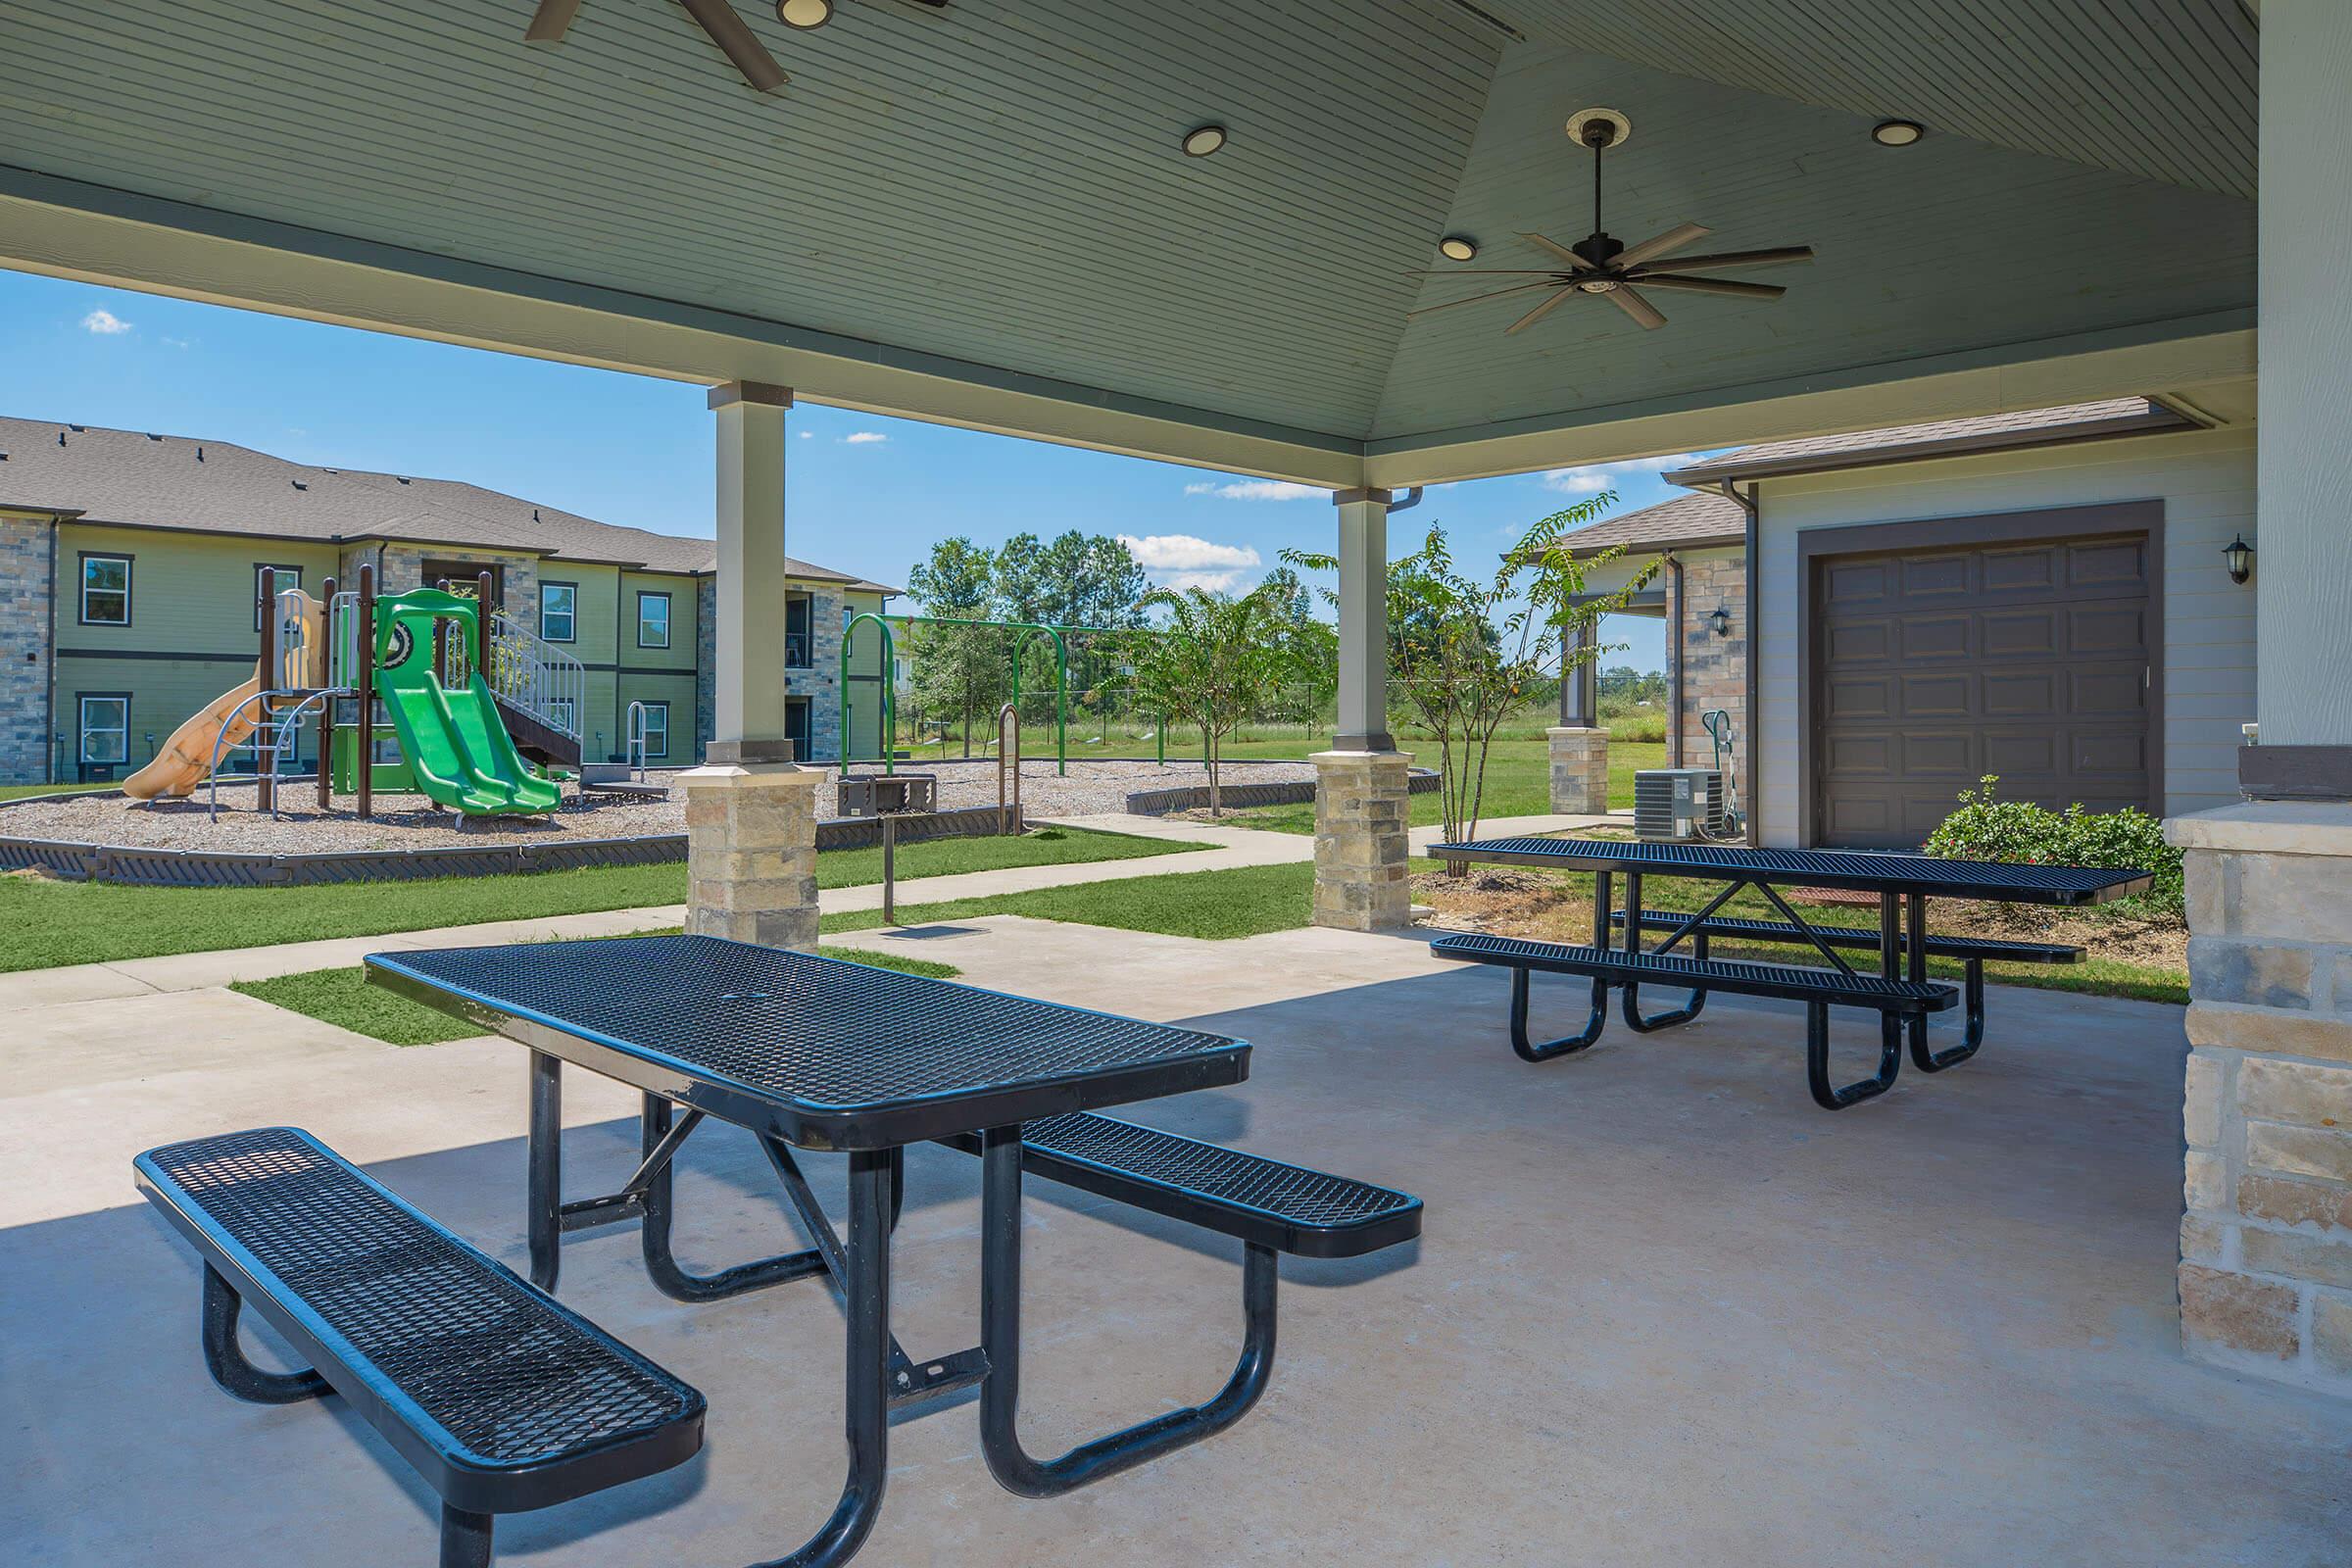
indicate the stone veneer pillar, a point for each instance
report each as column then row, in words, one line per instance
column 1361, row 814
column 2266, row 1242
column 751, row 852
column 1579, row 769
column 751, row 814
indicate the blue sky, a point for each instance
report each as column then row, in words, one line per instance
column 867, row 494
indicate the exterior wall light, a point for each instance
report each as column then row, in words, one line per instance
column 1201, row 140
column 804, row 13
column 2240, row 556
column 1458, row 247
column 1721, row 621
column 1898, row 133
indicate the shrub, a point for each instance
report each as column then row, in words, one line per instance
column 1987, row 827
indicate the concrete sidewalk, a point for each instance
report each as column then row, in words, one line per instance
column 1233, row 848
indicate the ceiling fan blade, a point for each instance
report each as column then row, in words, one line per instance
column 1713, row 285
column 1494, row 294
column 1772, row 258
column 1559, row 250
column 549, row 21
column 1538, row 313
column 739, row 43
column 1674, row 239
column 1634, row 306
column 1484, row 271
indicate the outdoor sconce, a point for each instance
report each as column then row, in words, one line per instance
column 1721, row 620
column 2240, row 556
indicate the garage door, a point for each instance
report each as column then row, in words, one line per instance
column 1933, row 668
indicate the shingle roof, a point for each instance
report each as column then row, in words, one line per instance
column 157, row 481
column 1686, row 522
column 2028, row 427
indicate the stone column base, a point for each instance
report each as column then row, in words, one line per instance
column 751, row 852
column 1361, row 814
column 2266, row 1239
column 1580, row 770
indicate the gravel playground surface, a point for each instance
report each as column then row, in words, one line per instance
column 402, row 821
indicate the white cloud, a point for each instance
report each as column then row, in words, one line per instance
column 808, row 435
column 1257, row 490
column 863, row 438
column 1184, row 561
column 105, row 324
column 1593, row 478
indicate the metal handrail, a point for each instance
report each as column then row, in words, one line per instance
column 526, row 671
column 265, row 752
column 633, row 746
column 1008, row 754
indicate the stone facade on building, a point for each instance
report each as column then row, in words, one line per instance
column 404, row 569
column 820, row 682
column 25, row 650
column 1714, row 666
column 2266, row 1233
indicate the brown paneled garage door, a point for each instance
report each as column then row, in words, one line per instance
column 1932, row 668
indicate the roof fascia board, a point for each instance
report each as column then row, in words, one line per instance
column 70, row 228
column 2143, row 361
column 2027, row 438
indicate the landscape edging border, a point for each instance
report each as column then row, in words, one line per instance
column 1289, row 792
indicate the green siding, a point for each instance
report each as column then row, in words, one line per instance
column 190, row 593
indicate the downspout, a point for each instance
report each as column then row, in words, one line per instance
column 1749, row 502
column 1674, row 660
column 621, row 594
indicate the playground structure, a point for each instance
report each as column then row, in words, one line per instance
column 1058, row 637
column 442, row 679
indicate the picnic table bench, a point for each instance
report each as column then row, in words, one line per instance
column 1900, row 993
column 806, row 1053
column 502, row 1398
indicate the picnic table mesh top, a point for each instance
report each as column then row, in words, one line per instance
column 512, row 1376
column 817, row 1030
column 1867, row 869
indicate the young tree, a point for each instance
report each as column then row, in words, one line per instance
column 1212, row 662
column 1465, row 652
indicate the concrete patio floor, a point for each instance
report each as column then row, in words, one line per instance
column 1664, row 1310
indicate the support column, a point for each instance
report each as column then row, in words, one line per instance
column 1580, row 768
column 751, row 814
column 2266, row 1239
column 1361, row 803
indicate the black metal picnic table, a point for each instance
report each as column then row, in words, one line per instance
column 1902, row 882
column 818, row 1053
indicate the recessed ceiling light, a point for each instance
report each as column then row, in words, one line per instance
column 1458, row 248
column 1898, row 133
column 804, row 13
column 1201, row 140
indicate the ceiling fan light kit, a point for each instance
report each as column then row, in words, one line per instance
column 1601, row 265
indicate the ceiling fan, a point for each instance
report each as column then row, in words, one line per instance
column 552, row 18
column 1604, row 266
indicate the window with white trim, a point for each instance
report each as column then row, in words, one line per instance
column 106, row 590
column 559, row 610
column 288, row 577
column 653, row 619
column 656, row 729
column 106, row 729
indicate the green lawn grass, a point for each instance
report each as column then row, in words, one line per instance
column 51, row 923
column 345, row 999
column 1219, row 906
column 1518, row 780
column 17, row 792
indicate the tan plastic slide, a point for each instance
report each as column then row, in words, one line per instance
column 186, row 758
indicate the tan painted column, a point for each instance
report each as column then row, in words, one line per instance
column 751, row 814
column 2266, row 1237
column 1361, row 805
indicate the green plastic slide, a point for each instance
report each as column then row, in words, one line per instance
column 452, row 740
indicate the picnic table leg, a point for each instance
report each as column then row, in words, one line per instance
column 1595, row 1021
column 672, row 1278
column 1001, row 1336
column 1926, row 1061
column 1817, row 1059
column 1632, row 943
column 545, row 1160
column 865, row 1294
column 225, row 1360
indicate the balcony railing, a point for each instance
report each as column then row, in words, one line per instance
column 799, row 651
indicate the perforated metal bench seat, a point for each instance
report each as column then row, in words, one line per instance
column 1976, row 949
column 1788, row 982
column 502, row 1398
column 1266, row 1202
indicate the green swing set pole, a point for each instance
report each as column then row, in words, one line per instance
column 890, row 700
column 1061, row 689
